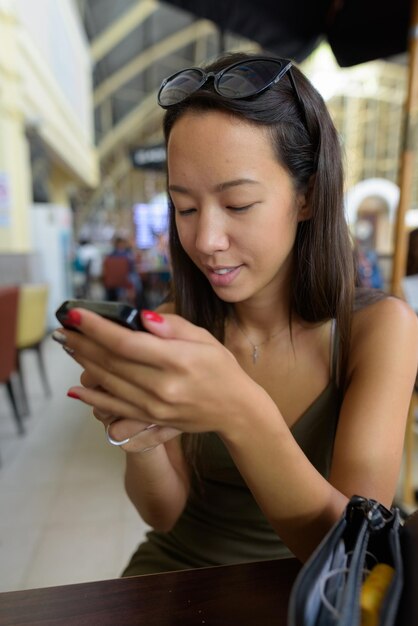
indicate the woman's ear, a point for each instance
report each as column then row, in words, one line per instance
column 304, row 202
column 305, row 211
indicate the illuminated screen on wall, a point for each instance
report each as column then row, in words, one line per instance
column 150, row 220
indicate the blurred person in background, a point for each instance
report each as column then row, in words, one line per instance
column 87, row 268
column 368, row 269
column 122, row 280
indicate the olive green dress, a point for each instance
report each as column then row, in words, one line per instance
column 222, row 523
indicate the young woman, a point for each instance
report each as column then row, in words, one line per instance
column 264, row 395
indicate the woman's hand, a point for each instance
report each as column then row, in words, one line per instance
column 134, row 435
column 177, row 375
column 142, row 437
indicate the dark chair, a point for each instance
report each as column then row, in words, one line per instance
column 9, row 302
column 115, row 271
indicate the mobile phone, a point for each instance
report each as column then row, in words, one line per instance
column 119, row 312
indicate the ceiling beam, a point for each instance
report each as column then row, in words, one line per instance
column 120, row 169
column 121, row 27
column 129, row 126
column 151, row 55
column 139, row 118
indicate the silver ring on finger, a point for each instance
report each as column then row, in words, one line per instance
column 115, row 442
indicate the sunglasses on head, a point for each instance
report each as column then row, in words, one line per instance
column 240, row 80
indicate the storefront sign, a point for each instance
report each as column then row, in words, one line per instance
column 149, row 157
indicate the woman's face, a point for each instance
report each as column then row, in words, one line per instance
column 236, row 209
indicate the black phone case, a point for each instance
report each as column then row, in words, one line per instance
column 119, row 312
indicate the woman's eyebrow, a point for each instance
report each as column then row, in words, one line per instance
column 236, row 183
column 218, row 188
column 178, row 189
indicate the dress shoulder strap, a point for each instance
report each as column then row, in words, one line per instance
column 334, row 353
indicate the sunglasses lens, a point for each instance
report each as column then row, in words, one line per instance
column 179, row 86
column 248, row 78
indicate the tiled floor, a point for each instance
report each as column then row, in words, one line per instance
column 64, row 515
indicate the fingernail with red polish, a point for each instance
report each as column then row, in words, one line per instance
column 72, row 394
column 74, row 318
column 151, row 316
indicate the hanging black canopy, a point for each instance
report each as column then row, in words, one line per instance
column 357, row 30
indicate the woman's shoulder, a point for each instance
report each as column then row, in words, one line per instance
column 384, row 338
column 387, row 320
column 385, row 310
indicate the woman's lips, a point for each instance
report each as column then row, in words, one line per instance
column 222, row 276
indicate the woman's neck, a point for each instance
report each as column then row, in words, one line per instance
column 260, row 321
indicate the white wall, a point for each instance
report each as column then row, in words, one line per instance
column 52, row 240
column 56, row 82
column 54, row 29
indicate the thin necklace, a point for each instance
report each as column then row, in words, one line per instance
column 255, row 347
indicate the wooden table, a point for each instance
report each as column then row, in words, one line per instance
column 251, row 594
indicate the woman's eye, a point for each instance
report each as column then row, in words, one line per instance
column 185, row 211
column 240, row 208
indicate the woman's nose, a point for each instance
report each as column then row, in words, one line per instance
column 211, row 234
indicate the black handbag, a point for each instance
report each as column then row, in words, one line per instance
column 328, row 588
